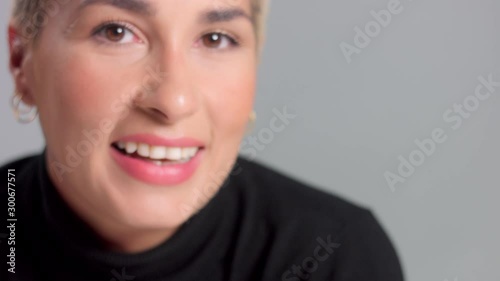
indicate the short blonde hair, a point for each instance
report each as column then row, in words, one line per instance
column 29, row 15
column 260, row 9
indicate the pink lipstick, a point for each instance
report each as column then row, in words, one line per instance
column 156, row 160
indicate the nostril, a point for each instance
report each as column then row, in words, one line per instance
column 155, row 113
column 159, row 113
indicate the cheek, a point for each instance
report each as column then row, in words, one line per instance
column 87, row 90
column 230, row 99
column 80, row 94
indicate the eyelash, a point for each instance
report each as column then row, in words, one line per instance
column 109, row 23
column 234, row 41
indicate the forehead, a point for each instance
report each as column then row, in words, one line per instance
column 150, row 7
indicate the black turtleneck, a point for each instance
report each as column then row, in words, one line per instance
column 260, row 226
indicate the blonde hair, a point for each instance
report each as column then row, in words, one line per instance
column 31, row 16
column 260, row 9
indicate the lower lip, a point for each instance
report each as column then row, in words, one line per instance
column 168, row 174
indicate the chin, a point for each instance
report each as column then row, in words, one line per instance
column 141, row 205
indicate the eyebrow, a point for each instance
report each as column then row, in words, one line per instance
column 143, row 7
column 224, row 15
column 135, row 6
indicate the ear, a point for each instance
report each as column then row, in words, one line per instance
column 19, row 61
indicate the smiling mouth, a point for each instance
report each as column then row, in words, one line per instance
column 158, row 155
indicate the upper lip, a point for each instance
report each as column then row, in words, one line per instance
column 155, row 140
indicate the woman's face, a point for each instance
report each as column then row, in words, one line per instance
column 116, row 81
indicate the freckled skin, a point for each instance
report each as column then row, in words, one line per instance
column 78, row 82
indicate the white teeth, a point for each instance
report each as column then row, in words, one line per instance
column 189, row 151
column 158, row 152
column 185, row 153
column 143, row 150
column 130, row 147
column 174, row 153
column 121, row 145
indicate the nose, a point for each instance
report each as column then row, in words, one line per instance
column 168, row 89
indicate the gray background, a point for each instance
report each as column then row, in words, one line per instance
column 354, row 120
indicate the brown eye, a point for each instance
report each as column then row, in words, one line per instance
column 115, row 33
column 217, row 40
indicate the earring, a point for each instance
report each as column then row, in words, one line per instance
column 23, row 113
column 251, row 124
